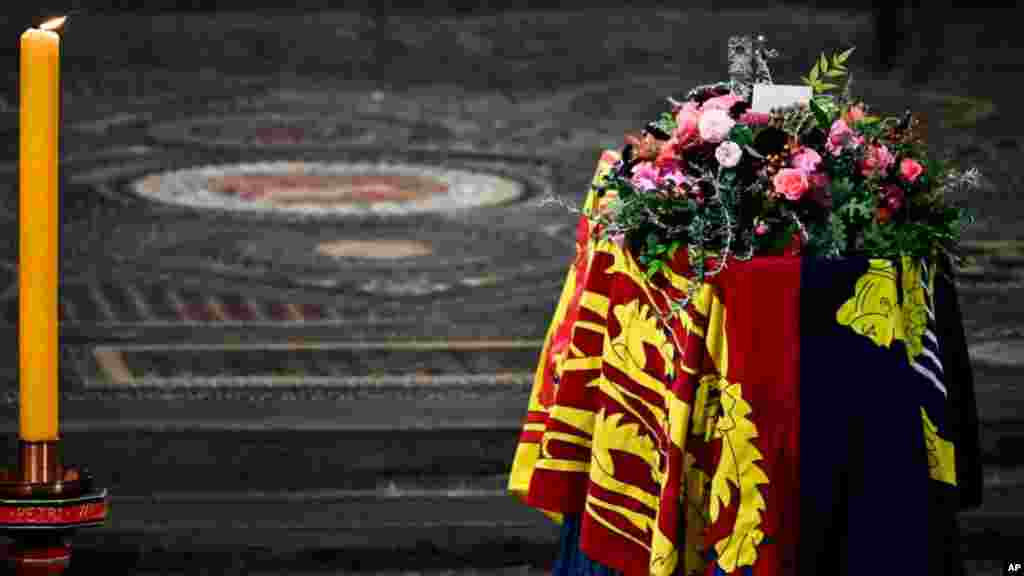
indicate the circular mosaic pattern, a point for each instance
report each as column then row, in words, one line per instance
column 321, row 188
column 327, row 189
column 415, row 257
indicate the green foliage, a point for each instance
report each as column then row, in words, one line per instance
column 742, row 135
column 798, row 120
column 858, row 208
column 732, row 201
column 666, row 122
column 824, row 118
column 825, row 71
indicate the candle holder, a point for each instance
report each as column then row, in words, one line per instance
column 42, row 503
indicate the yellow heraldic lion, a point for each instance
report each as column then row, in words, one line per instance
column 873, row 311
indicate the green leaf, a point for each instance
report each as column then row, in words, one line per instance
column 845, row 55
column 814, row 74
column 835, row 73
column 805, row 79
column 827, row 86
column 675, row 246
column 823, row 62
column 819, row 113
column 741, row 135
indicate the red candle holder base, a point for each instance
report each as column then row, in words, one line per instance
column 41, row 505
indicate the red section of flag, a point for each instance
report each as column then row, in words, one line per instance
column 762, row 298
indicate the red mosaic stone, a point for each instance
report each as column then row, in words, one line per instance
column 278, row 311
column 312, row 311
column 198, row 312
column 243, row 312
column 279, row 135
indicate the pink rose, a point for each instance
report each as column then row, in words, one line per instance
column 910, row 169
column 714, row 125
column 841, row 136
column 755, row 118
column 673, row 174
column 728, row 154
column 877, row 160
column 725, row 102
column 761, row 229
column 791, row 183
column 686, row 124
column 806, row 160
column 645, row 176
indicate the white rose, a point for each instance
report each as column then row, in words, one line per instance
column 714, row 125
column 728, row 154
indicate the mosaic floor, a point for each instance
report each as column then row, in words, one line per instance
column 239, row 227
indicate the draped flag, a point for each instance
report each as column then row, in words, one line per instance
column 795, row 412
column 556, row 344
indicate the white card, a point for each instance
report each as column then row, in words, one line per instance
column 767, row 97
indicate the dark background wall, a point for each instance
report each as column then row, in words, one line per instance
column 908, row 33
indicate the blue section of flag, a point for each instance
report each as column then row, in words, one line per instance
column 571, row 560
column 863, row 467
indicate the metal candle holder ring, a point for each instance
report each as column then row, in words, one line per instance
column 41, row 504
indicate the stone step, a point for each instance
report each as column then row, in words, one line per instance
column 371, row 531
column 319, row 531
column 317, row 443
column 168, row 445
column 314, row 485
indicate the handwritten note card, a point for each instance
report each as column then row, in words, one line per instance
column 770, row 96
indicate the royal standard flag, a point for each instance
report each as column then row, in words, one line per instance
column 556, row 346
column 794, row 412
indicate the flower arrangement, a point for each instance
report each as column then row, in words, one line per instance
column 827, row 177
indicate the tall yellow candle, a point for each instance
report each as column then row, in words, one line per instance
column 38, row 233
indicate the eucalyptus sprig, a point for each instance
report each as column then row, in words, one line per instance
column 825, row 69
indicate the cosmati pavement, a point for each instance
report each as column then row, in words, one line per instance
column 252, row 408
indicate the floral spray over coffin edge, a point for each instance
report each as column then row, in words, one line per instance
column 827, row 177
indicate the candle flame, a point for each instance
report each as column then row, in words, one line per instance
column 53, row 23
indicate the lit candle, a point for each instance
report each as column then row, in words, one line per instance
column 38, row 233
